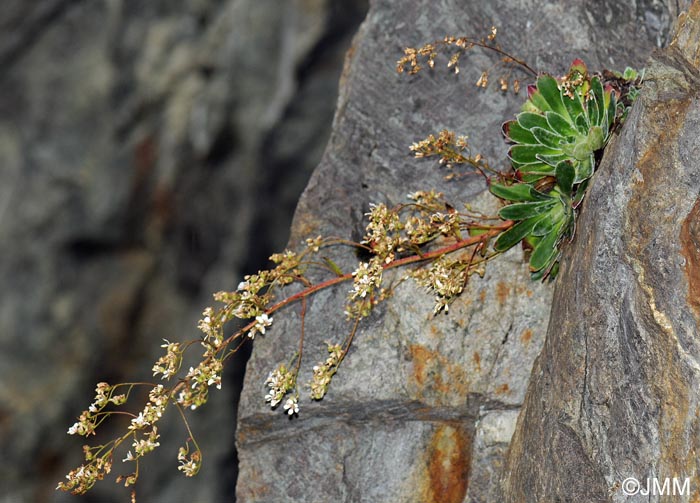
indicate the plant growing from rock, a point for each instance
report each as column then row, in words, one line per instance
column 557, row 139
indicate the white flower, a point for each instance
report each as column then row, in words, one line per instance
column 129, row 457
column 291, row 406
column 138, row 422
column 73, row 429
column 261, row 322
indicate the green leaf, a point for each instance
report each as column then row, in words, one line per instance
column 540, row 170
column 575, row 107
column 528, row 120
column 515, row 234
column 566, row 176
column 333, row 266
column 520, row 192
column 532, row 177
column 477, row 232
column 611, row 110
column 546, row 137
column 549, row 89
column 560, row 125
column 592, row 108
column 518, row 134
column 550, row 270
column 630, row 74
column 598, row 92
column 528, row 154
column 544, row 226
column 539, row 102
column 596, row 138
column 584, row 169
column 582, row 124
column 553, row 160
column 523, row 211
column 580, row 192
column 545, row 249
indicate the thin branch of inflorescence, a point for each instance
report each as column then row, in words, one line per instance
column 429, row 52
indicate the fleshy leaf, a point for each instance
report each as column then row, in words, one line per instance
column 523, row 211
column 545, row 249
column 546, row 137
column 539, row 101
column 576, row 110
column 598, row 92
column 560, row 125
column 518, row 134
column 566, row 176
column 528, row 120
column 553, row 159
column 549, row 89
column 515, row 234
column 528, row 154
column 520, row 192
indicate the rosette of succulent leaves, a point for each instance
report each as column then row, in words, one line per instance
column 557, row 137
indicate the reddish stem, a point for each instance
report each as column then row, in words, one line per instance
column 458, row 245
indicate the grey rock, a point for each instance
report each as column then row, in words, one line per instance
column 150, row 153
column 422, row 409
column 614, row 393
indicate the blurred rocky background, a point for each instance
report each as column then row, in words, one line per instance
column 151, row 153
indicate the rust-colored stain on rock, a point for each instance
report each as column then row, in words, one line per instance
column 526, row 336
column 437, row 379
column 690, row 248
column 447, row 465
column 477, row 361
column 502, row 291
column 502, row 389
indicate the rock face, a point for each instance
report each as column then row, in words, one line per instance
column 150, row 152
column 614, row 393
column 422, row 410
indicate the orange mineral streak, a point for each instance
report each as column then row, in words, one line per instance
column 448, row 459
column 436, row 380
column 690, row 248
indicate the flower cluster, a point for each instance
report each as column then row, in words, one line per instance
column 144, row 445
column 189, row 463
column 169, row 364
column 88, row 419
column 262, row 321
column 324, row 372
column 446, row 278
column 81, row 479
column 451, row 149
column 207, row 373
column 383, row 234
column 280, row 381
column 367, row 277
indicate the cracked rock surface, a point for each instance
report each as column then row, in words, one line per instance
column 614, row 393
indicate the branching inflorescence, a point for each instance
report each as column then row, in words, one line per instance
column 564, row 124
